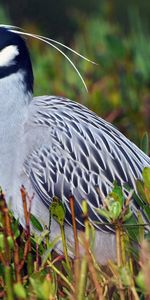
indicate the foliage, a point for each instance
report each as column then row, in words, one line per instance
column 29, row 269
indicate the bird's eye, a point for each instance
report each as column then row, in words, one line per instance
column 7, row 55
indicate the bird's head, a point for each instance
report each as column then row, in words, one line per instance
column 14, row 57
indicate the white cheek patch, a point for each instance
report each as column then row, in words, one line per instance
column 7, row 55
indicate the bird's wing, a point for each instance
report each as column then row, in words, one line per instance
column 82, row 155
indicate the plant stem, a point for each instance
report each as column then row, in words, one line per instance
column 119, row 257
column 65, row 246
column 82, row 279
column 8, row 283
column 135, row 295
column 118, row 246
column 74, row 227
column 24, row 202
column 77, row 254
column 93, row 273
column 16, row 262
column 61, row 275
column 84, row 264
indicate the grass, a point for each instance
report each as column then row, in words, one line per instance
column 31, row 269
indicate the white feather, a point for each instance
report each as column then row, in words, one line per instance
column 7, row 55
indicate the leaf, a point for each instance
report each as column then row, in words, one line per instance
column 104, row 213
column 127, row 216
column 115, row 209
column 147, row 194
column 145, row 143
column 117, row 193
column 147, row 236
column 49, row 248
column 1, row 241
column 67, row 270
column 138, row 200
column 43, row 286
column 140, row 190
column 140, row 281
column 146, row 176
column 58, row 211
column 39, row 238
column 125, row 276
column 19, row 290
column 35, row 223
column 141, row 228
column 146, row 211
column 15, row 228
column 47, row 289
column 133, row 228
column 10, row 242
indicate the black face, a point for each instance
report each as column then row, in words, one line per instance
column 20, row 62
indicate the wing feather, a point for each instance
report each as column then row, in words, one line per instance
column 82, row 152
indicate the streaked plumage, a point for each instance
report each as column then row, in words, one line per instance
column 83, row 153
column 63, row 149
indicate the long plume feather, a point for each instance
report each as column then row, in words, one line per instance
column 51, row 43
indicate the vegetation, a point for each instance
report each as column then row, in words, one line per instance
column 29, row 268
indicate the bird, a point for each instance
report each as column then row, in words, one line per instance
column 56, row 147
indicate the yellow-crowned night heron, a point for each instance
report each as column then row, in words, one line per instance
column 56, row 147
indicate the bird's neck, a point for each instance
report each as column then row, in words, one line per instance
column 14, row 103
column 13, row 116
column 14, row 98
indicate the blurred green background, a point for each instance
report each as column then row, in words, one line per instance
column 115, row 34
